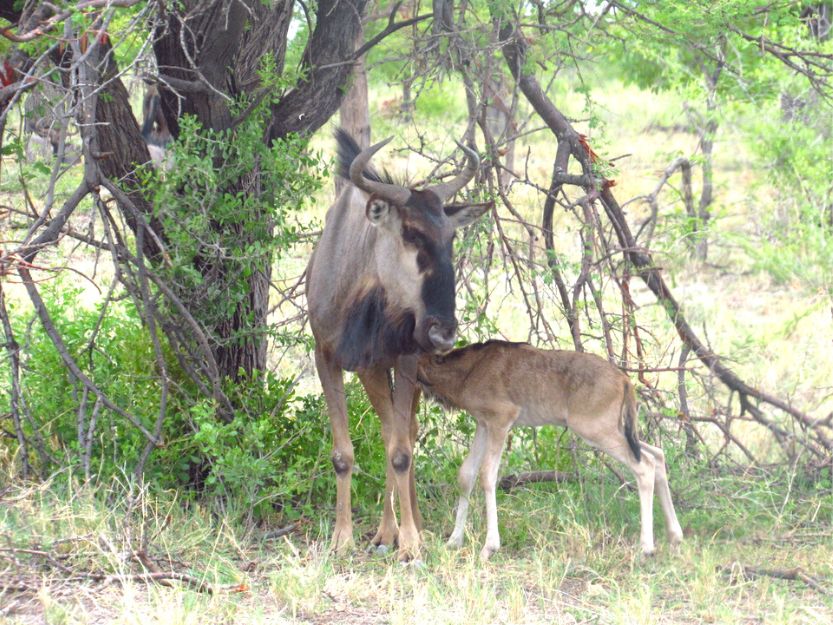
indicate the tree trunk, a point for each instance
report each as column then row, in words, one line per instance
column 499, row 120
column 223, row 47
column 354, row 112
column 707, row 135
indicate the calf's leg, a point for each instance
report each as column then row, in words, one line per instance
column 465, row 480
column 644, row 470
column 672, row 525
column 497, row 430
column 602, row 432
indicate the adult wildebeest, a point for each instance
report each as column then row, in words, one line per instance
column 507, row 384
column 380, row 290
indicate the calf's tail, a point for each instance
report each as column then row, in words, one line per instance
column 629, row 419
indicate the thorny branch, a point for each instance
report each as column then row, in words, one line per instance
column 817, row 439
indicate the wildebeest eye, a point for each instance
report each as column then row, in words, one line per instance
column 414, row 237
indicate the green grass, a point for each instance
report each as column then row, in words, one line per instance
column 569, row 555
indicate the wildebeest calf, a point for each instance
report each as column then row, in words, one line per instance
column 507, row 384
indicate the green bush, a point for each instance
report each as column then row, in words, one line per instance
column 797, row 240
column 114, row 350
column 272, row 457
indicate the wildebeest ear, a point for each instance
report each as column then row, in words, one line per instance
column 378, row 211
column 464, row 214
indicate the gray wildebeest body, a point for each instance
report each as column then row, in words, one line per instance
column 507, row 384
column 380, row 290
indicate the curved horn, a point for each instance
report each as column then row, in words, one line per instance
column 391, row 192
column 447, row 189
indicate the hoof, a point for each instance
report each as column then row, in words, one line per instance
column 486, row 553
column 454, row 542
column 409, row 545
column 342, row 542
column 386, row 538
column 408, row 555
column 415, row 564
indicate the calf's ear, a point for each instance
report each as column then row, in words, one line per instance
column 463, row 214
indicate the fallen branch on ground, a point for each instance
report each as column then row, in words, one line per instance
column 278, row 533
column 13, row 583
column 508, row 482
column 751, row 572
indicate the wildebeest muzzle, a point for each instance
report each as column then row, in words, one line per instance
column 440, row 335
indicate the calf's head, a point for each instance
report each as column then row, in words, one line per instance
column 413, row 251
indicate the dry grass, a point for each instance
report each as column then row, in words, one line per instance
column 567, row 558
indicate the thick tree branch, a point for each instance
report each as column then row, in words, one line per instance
column 328, row 64
column 391, row 28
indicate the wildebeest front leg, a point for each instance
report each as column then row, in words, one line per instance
column 378, row 389
column 414, row 431
column 400, row 449
column 342, row 457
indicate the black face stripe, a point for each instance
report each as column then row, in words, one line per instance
column 428, row 251
column 415, row 236
column 438, row 288
column 423, row 230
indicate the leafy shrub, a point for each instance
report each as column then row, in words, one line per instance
column 797, row 244
column 114, row 350
column 272, row 457
column 227, row 211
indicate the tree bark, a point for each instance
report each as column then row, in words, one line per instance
column 328, row 61
column 354, row 112
column 214, row 61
